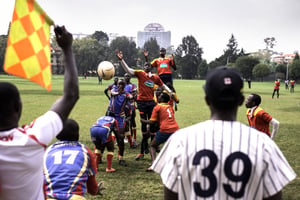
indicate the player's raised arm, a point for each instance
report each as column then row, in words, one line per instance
column 173, row 65
column 129, row 70
column 64, row 105
column 146, row 55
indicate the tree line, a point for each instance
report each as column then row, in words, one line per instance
column 93, row 49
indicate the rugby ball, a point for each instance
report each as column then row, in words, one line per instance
column 106, row 70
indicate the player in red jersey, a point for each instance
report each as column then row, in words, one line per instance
column 258, row 118
column 163, row 66
column 145, row 102
column 276, row 88
column 163, row 114
column 292, row 82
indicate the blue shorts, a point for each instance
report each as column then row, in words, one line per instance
column 99, row 133
column 162, row 137
column 121, row 121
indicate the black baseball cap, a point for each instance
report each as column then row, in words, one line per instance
column 224, row 85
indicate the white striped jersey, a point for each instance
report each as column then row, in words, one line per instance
column 222, row 160
column 21, row 157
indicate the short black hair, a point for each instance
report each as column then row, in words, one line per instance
column 256, row 99
column 9, row 99
column 127, row 75
column 224, row 87
column 121, row 82
column 165, row 97
column 70, row 131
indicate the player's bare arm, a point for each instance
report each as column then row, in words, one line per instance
column 169, row 195
column 129, row 70
column 146, row 54
column 174, row 65
column 64, row 105
column 277, row 196
column 147, row 121
column 165, row 87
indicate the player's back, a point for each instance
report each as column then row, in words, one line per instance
column 67, row 164
column 21, row 156
column 224, row 160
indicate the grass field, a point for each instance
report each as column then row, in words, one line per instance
column 133, row 182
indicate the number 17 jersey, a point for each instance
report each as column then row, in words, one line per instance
column 222, row 160
column 67, row 166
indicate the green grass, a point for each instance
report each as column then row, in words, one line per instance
column 133, row 182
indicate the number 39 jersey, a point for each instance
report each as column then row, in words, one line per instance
column 67, row 165
column 222, row 160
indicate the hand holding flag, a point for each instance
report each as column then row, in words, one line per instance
column 28, row 47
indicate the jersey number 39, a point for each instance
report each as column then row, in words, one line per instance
column 208, row 172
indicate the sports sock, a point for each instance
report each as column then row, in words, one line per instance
column 109, row 158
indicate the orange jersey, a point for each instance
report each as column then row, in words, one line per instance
column 259, row 119
column 164, row 114
column 163, row 65
column 146, row 84
column 292, row 82
column 277, row 84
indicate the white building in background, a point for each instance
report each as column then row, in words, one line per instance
column 112, row 36
column 157, row 31
column 283, row 58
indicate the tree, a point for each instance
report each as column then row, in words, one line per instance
column 294, row 68
column 153, row 48
column 188, row 57
column 3, row 43
column 128, row 47
column 230, row 55
column 260, row 70
column 270, row 42
column 89, row 53
column 215, row 63
column 101, row 37
column 203, row 68
column 281, row 68
column 245, row 65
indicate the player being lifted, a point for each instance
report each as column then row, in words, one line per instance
column 163, row 66
column 145, row 102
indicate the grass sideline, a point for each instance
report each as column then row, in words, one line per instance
column 133, row 182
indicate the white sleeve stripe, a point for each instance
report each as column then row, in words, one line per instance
column 272, row 182
column 182, row 188
column 221, row 157
column 283, row 161
column 188, row 157
column 255, row 161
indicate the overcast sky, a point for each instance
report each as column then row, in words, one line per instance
column 211, row 22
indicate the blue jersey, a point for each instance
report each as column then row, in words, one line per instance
column 102, row 128
column 106, row 122
column 118, row 103
column 131, row 89
column 67, row 166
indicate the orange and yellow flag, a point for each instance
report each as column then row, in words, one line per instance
column 28, row 46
